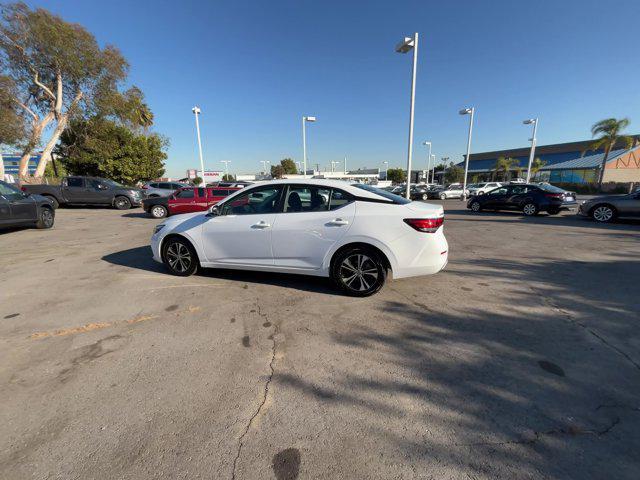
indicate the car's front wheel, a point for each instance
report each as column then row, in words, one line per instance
column 122, row 203
column 443, row 196
column 46, row 218
column 530, row 209
column 603, row 213
column 476, row 207
column 425, row 196
column 359, row 271
column 158, row 211
column 179, row 256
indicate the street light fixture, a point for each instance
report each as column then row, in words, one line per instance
column 434, row 169
column 305, row 119
column 406, row 46
column 196, row 112
column 428, row 159
column 386, row 169
column 533, row 140
column 264, row 165
column 467, row 111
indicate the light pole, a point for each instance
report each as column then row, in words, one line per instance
column 386, row 168
column 226, row 168
column 533, row 143
column 196, row 112
column 406, row 46
column 428, row 159
column 333, row 164
column 467, row 111
column 434, row 169
column 305, row 119
column 444, row 161
column 264, row 165
column 299, row 165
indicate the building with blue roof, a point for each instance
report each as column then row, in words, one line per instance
column 571, row 162
column 11, row 163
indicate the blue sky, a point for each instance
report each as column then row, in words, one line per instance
column 255, row 67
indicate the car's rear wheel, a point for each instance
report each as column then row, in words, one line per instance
column 158, row 211
column 553, row 211
column 179, row 256
column 122, row 203
column 443, row 196
column 476, row 207
column 603, row 213
column 425, row 196
column 46, row 218
column 530, row 209
column 359, row 271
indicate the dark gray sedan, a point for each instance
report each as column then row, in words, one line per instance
column 607, row 209
column 18, row 208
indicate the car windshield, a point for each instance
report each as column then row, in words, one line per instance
column 384, row 194
column 550, row 188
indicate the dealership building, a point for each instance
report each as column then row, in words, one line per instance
column 570, row 162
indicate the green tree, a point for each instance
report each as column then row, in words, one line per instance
column 289, row 166
column 105, row 148
column 59, row 70
column 396, row 175
column 536, row 165
column 504, row 165
column 609, row 132
column 12, row 128
column 196, row 180
column 228, row 178
column 277, row 171
column 453, row 174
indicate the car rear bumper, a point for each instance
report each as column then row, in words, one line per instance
column 430, row 258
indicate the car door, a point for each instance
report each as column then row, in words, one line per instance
column 241, row 232
column 628, row 205
column 74, row 190
column 183, row 201
column 314, row 218
column 16, row 207
column 98, row 192
column 200, row 204
column 495, row 198
column 516, row 196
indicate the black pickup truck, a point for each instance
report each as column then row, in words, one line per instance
column 89, row 191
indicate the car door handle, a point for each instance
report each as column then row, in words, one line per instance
column 338, row 222
column 261, row 224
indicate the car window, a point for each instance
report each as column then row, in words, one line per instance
column 10, row 192
column 550, row 188
column 164, row 185
column 257, row 200
column 188, row 193
column 220, row 192
column 95, row 183
column 498, row 191
column 176, row 186
column 75, row 182
column 339, row 199
column 303, row 198
column 384, row 194
column 519, row 190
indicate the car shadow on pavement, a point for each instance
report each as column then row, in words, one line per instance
column 141, row 258
column 545, row 386
column 139, row 215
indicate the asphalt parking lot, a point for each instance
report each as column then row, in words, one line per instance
column 520, row 360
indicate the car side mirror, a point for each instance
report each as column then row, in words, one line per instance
column 213, row 211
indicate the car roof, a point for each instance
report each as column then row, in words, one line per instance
column 321, row 182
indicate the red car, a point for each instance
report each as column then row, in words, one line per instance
column 186, row 200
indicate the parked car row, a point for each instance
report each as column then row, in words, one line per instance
column 18, row 208
column 186, row 200
column 528, row 198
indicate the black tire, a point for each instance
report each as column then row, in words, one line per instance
column 476, row 207
column 360, row 279
column 122, row 203
column 179, row 256
column 46, row 218
column 603, row 213
column 54, row 202
column 425, row 196
column 553, row 211
column 158, row 211
column 530, row 209
column 443, row 196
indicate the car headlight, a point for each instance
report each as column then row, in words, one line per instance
column 158, row 228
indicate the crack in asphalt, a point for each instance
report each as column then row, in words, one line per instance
column 537, row 436
column 264, row 396
column 570, row 318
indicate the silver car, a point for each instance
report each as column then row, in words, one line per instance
column 607, row 209
column 162, row 189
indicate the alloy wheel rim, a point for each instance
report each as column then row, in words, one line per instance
column 529, row 209
column 475, row 206
column 358, row 272
column 121, row 203
column 179, row 257
column 602, row 214
column 47, row 218
column 158, row 212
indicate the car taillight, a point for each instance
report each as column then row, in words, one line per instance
column 24, row 189
column 553, row 195
column 427, row 225
column 144, row 187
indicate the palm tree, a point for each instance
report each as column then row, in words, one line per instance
column 609, row 131
column 504, row 165
column 536, row 165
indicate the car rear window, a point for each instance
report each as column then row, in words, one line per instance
column 383, row 193
column 550, row 188
column 218, row 192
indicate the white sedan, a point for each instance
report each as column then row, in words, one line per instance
column 452, row 191
column 355, row 234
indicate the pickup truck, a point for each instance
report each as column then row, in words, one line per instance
column 186, row 200
column 89, row 191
